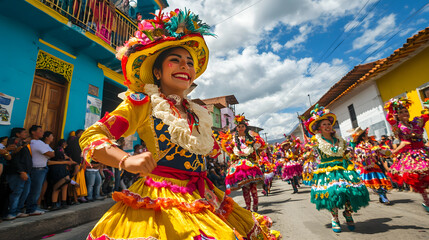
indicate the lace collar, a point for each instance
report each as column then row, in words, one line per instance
column 198, row 142
column 328, row 149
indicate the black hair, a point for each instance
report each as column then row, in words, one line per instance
column 158, row 63
column 33, row 129
column 3, row 138
column 78, row 131
column 137, row 146
column 360, row 138
column 12, row 140
column 246, row 134
column 317, row 124
column 61, row 142
column 46, row 134
column 15, row 131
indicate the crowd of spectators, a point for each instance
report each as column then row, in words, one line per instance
column 216, row 172
column 39, row 174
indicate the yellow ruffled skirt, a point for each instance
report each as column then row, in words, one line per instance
column 165, row 208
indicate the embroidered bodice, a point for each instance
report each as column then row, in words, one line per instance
column 413, row 132
column 167, row 136
column 247, row 149
column 173, row 155
column 366, row 155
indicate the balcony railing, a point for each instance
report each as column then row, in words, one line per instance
column 99, row 17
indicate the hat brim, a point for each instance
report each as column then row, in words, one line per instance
column 329, row 116
column 137, row 67
column 358, row 134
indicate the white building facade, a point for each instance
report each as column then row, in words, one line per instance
column 361, row 107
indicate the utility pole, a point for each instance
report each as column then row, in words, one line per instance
column 309, row 99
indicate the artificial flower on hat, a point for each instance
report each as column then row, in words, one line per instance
column 167, row 30
column 319, row 113
column 240, row 119
column 394, row 104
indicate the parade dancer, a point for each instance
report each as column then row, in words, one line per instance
column 174, row 198
column 292, row 168
column 244, row 172
column 412, row 160
column 366, row 155
column 278, row 158
column 309, row 165
column 268, row 169
column 336, row 185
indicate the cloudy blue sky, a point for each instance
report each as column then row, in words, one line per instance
column 272, row 53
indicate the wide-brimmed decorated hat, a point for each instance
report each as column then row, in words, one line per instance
column 240, row 119
column 286, row 142
column 395, row 104
column 319, row 113
column 167, row 30
column 357, row 132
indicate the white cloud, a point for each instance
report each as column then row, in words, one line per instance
column 253, row 24
column 302, row 37
column 372, row 36
column 276, row 46
column 267, row 86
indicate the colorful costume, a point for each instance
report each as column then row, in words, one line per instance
column 268, row 168
column 292, row 168
column 412, row 161
column 309, row 166
column 336, row 185
column 176, row 200
column 366, row 157
column 244, row 171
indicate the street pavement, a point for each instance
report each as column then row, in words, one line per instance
column 297, row 218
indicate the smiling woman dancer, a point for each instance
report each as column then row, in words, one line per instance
column 367, row 156
column 412, row 160
column 174, row 199
column 244, row 172
column 336, row 184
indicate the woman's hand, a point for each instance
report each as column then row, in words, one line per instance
column 142, row 163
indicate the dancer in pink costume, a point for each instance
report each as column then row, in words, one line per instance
column 244, row 172
column 412, row 161
column 292, row 168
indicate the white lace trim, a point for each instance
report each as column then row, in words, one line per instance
column 197, row 143
column 244, row 151
column 325, row 147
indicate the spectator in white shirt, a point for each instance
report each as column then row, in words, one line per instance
column 41, row 152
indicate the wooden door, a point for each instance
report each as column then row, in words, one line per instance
column 46, row 106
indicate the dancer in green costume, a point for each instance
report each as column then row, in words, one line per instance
column 335, row 184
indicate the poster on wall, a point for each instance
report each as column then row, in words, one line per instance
column 93, row 111
column 6, row 106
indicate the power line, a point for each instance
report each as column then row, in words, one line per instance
column 397, row 32
column 360, row 22
column 244, row 9
column 339, row 36
column 348, row 33
column 399, row 28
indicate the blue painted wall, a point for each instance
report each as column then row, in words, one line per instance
column 18, row 61
column 20, row 48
